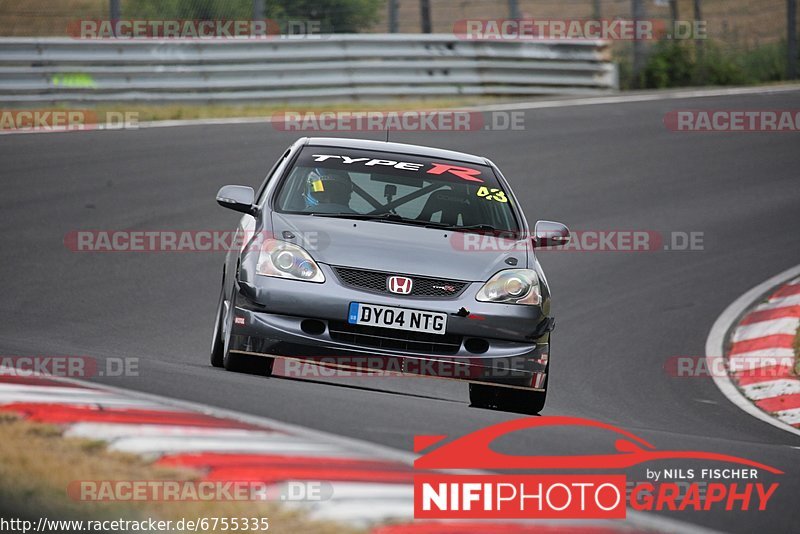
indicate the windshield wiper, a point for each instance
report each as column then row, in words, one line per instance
column 393, row 217
column 364, row 216
column 469, row 228
column 387, row 217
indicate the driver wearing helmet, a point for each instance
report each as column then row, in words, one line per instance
column 328, row 191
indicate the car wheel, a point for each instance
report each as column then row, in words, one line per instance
column 509, row 399
column 251, row 365
column 217, row 343
column 233, row 361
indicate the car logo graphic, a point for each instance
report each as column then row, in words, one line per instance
column 473, row 451
column 400, row 285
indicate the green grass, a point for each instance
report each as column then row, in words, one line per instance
column 150, row 112
column 215, row 111
column 678, row 64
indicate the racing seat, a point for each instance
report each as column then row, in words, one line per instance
column 450, row 205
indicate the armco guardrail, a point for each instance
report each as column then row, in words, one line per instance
column 329, row 67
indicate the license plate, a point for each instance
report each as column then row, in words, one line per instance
column 397, row 318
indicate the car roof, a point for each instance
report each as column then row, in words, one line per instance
column 398, row 148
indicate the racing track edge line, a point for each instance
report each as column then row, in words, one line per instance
column 715, row 346
column 620, row 98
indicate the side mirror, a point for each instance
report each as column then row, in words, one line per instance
column 237, row 198
column 550, row 234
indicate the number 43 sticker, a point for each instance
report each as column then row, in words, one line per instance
column 492, row 194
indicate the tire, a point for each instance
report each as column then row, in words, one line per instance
column 217, row 343
column 231, row 361
column 247, row 364
column 509, row 399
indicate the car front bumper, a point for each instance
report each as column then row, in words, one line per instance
column 494, row 343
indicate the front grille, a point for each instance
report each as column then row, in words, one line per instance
column 375, row 281
column 389, row 338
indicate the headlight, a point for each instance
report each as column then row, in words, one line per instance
column 512, row 286
column 285, row 260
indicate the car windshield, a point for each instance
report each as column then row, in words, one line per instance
column 400, row 188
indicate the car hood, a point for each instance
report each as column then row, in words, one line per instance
column 384, row 246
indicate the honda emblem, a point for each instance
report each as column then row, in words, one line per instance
column 399, row 284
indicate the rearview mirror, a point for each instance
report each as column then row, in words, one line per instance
column 237, row 198
column 550, row 234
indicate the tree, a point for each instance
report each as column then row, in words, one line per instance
column 333, row 16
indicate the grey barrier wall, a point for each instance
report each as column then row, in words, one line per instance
column 326, row 67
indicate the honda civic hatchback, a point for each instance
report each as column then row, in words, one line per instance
column 391, row 258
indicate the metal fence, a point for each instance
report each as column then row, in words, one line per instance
column 330, row 67
column 752, row 40
column 735, row 23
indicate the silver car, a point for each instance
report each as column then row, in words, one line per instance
column 390, row 258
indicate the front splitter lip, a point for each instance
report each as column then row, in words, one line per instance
column 510, row 364
column 526, row 376
column 288, row 328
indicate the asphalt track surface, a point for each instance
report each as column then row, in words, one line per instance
column 620, row 315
